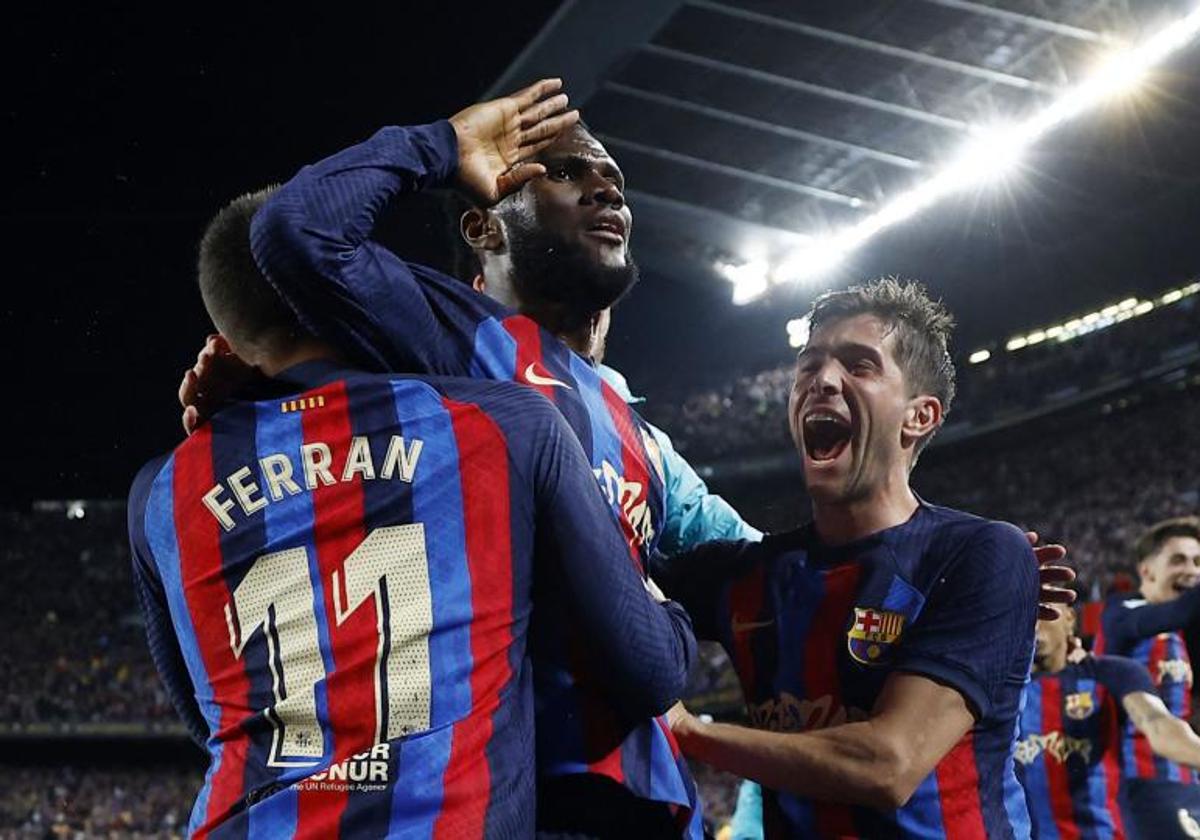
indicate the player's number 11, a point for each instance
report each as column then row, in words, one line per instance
column 277, row 596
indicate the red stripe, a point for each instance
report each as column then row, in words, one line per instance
column 1089, row 619
column 826, row 639
column 528, row 336
column 1056, row 769
column 1143, row 756
column 958, row 790
column 483, row 465
column 199, row 538
column 634, row 470
column 1112, row 760
column 350, row 688
column 745, row 606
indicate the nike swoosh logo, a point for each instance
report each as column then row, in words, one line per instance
column 747, row 626
column 533, row 378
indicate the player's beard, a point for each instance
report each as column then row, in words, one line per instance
column 550, row 269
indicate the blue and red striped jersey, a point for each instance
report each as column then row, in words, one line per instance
column 338, row 581
column 815, row 631
column 312, row 241
column 1151, row 635
column 1069, row 751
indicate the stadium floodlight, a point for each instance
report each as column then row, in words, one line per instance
column 1172, row 296
column 1143, row 307
column 749, row 279
column 995, row 150
column 798, row 330
column 979, row 356
column 811, row 261
column 1016, row 343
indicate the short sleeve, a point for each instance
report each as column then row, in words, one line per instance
column 1122, row 676
column 976, row 631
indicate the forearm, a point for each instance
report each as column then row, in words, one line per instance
column 1152, row 619
column 1173, row 739
column 849, row 764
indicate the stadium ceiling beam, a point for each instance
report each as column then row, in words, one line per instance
column 808, row 190
column 757, row 230
column 581, row 41
column 1033, row 22
column 856, row 42
column 761, row 125
column 808, row 87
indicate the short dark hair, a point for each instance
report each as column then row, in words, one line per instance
column 240, row 301
column 922, row 327
column 1152, row 540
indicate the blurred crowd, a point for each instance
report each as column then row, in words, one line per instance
column 66, row 803
column 747, row 416
column 82, row 655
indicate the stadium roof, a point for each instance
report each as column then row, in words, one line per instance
column 749, row 126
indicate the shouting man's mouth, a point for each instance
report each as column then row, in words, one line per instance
column 826, row 434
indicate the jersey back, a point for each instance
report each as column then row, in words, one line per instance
column 347, row 569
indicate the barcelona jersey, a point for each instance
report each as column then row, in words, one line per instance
column 1150, row 634
column 815, row 631
column 313, row 242
column 1069, row 752
column 338, row 581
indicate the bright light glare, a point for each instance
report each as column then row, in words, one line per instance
column 797, row 330
column 980, row 356
column 990, row 153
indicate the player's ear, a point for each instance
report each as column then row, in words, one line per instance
column 922, row 416
column 481, row 230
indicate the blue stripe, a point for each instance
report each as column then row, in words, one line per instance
column 605, row 442
column 275, row 816
column 495, row 354
column 922, row 816
column 437, row 502
column 417, row 802
column 164, row 546
column 1096, row 804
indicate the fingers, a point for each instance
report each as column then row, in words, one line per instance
column 518, row 176
column 1056, row 574
column 1047, row 613
column 538, row 90
column 543, row 110
column 1032, row 536
column 1056, row 595
column 1049, row 554
column 191, row 419
column 187, row 388
column 546, row 132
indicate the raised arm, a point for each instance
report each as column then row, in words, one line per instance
column 312, row 239
column 1126, row 626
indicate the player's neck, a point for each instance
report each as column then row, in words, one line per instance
column 1051, row 663
column 844, row 522
column 277, row 362
column 579, row 331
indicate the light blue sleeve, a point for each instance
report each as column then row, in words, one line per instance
column 747, row 821
column 694, row 515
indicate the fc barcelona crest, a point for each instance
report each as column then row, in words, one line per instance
column 873, row 636
column 1080, row 706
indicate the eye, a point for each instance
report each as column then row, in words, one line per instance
column 560, row 172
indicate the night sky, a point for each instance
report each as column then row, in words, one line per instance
column 128, row 127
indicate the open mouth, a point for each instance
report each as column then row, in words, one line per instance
column 826, row 435
column 609, row 229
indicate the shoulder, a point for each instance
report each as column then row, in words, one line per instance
column 957, row 536
column 1121, row 674
column 143, row 484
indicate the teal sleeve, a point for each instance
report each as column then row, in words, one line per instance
column 694, row 515
column 747, row 821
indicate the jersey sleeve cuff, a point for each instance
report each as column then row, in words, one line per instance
column 951, row 676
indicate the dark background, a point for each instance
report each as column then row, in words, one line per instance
column 128, row 126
